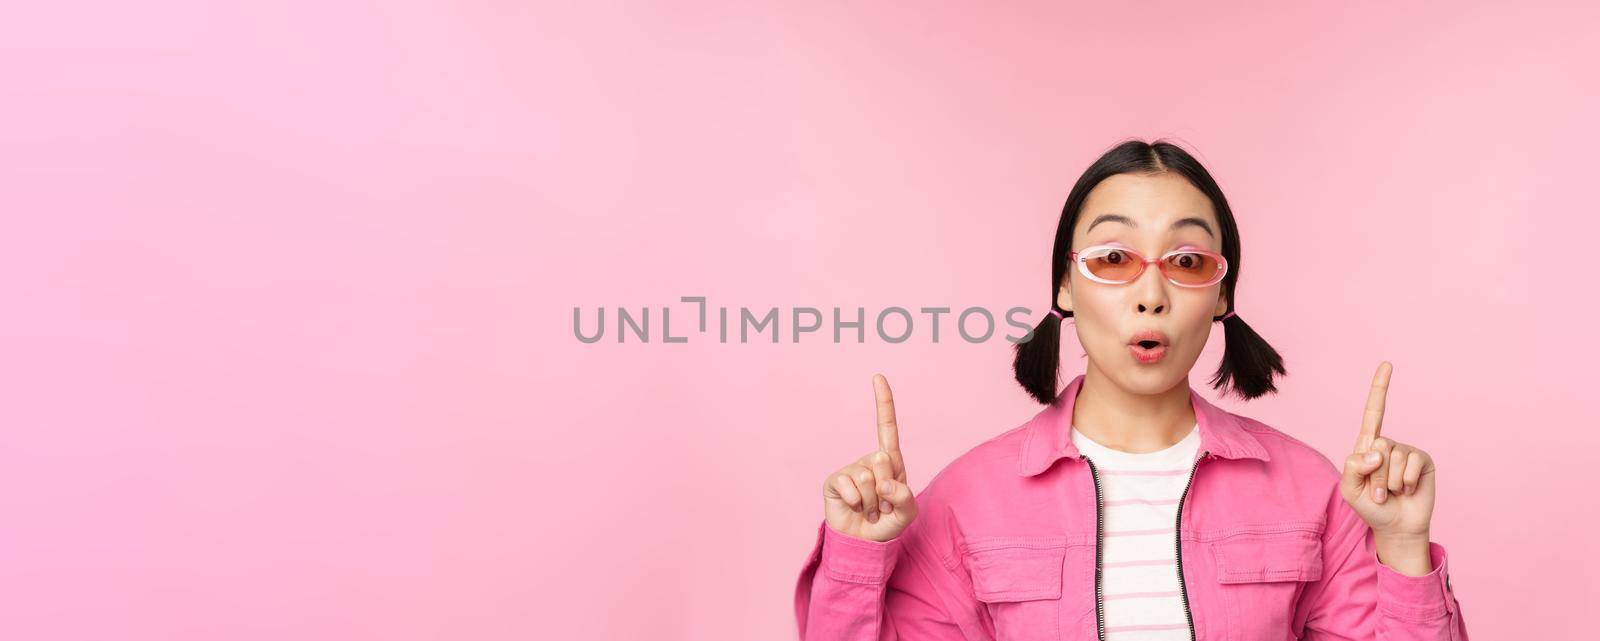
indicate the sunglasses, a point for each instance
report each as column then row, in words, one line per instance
column 1117, row 265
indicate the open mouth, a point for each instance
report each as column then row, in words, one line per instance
column 1148, row 350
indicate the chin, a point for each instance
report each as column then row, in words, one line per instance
column 1151, row 379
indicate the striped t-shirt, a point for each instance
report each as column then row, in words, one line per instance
column 1139, row 578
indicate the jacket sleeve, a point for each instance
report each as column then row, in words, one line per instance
column 911, row 587
column 1360, row 599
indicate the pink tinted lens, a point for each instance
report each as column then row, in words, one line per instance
column 1191, row 268
column 1114, row 264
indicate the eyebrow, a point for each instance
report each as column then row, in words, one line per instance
column 1190, row 221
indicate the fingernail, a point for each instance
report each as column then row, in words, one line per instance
column 1373, row 457
column 1379, row 492
column 885, row 487
column 872, row 517
column 885, row 507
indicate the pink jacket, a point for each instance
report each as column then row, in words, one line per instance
column 1006, row 539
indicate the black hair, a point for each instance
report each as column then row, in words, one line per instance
column 1248, row 362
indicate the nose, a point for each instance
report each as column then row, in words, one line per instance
column 1150, row 291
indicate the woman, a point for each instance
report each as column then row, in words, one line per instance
column 1130, row 507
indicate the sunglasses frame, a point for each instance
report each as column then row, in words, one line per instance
column 1160, row 263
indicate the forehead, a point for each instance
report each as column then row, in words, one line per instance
column 1151, row 202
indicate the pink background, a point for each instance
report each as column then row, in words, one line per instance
column 289, row 288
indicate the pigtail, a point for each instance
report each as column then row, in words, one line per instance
column 1248, row 362
column 1038, row 360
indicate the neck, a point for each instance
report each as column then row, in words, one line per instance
column 1130, row 421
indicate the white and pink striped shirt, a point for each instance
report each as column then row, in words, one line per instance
column 1139, row 563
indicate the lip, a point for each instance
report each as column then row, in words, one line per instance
column 1148, row 355
column 1150, row 335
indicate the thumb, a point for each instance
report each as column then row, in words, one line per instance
column 1356, row 468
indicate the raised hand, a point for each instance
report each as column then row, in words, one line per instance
column 869, row 498
column 1389, row 484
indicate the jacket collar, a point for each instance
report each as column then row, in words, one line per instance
column 1049, row 434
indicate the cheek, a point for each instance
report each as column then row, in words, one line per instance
column 1194, row 307
column 1096, row 299
column 1193, row 344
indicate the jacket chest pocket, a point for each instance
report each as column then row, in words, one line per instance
column 1261, row 577
column 1024, row 586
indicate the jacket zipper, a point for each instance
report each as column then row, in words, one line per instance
column 1099, row 533
column 1177, row 535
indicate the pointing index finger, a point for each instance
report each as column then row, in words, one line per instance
column 1372, row 419
column 888, row 432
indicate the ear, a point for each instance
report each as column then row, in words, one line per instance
column 1064, row 295
column 1222, row 302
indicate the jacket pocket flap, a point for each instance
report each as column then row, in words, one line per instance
column 1016, row 573
column 1257, row 559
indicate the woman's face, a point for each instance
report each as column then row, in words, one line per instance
column 1150, row 215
